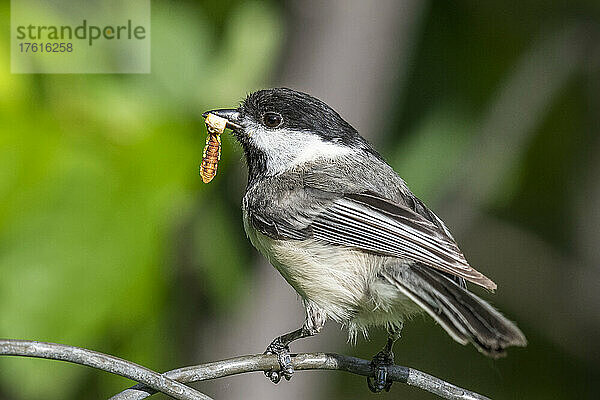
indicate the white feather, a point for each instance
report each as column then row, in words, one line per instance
column 286, row 149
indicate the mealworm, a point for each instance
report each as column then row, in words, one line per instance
column 212, row 149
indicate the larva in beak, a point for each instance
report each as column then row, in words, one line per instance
column 212, row 149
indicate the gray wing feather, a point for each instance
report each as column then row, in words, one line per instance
column 377, row 215
column 373, row 224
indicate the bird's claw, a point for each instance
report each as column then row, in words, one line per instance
column 286, row 369
column 380, row 364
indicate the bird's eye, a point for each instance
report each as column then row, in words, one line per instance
column 272, row 119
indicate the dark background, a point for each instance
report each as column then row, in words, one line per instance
column 110, row 241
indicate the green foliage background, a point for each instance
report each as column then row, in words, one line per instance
column 103, row 218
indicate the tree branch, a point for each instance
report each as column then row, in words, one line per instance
column 172, row 382
column 305, row 361
column 105, row 362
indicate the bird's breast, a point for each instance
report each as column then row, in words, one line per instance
column 336, row 278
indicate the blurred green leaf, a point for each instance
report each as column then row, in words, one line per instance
column 433, row 151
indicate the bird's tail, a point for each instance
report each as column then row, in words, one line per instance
column 465, row 317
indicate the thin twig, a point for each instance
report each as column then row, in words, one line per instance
column 311, row 361
column 114, row 365
column 172, row 382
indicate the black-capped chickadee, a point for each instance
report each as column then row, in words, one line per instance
column 345, row 231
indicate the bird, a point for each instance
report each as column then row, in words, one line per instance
column 345, row 231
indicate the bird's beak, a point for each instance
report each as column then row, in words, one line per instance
column 232, row 116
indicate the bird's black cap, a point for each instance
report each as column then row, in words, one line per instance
column 300, row 111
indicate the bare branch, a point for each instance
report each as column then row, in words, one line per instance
column 172, row 382
column 311, row 361
column 114, row 365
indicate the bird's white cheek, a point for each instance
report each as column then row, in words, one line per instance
column 285, row 149
column 278, row 147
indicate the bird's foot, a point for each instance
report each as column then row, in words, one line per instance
column 285, row 361
column 380, row 364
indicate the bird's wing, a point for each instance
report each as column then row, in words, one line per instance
column 370, row 223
